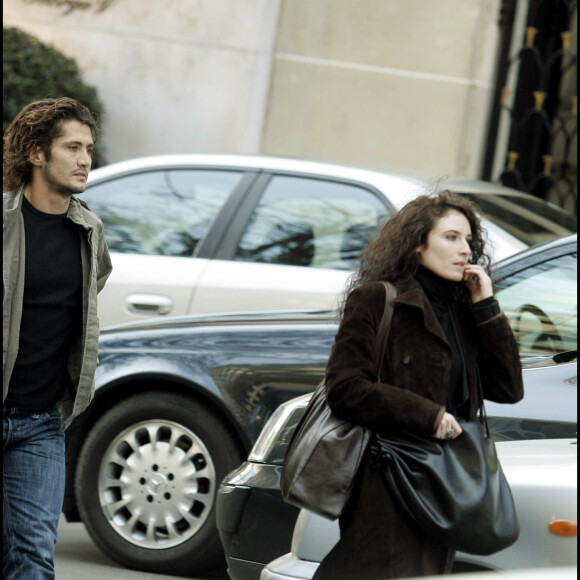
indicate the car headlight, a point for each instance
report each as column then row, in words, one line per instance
column 273, row 441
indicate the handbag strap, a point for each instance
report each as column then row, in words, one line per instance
column 482, row 413
column 385, row 326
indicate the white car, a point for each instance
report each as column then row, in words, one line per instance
column 552, row 573
column 543, row 479
column 195, row 234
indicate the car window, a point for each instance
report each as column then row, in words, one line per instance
column 541, row 304
column 311, row 222
column 164, row 212
column 528, row 219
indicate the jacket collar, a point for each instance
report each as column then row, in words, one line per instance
column 12, row 202
column 77, row 213
column 410, row 293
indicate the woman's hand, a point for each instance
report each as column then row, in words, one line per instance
column 478, row 282
column 448, row 428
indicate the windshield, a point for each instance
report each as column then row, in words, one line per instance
column 530, row 220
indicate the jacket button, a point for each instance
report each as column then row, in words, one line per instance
column 406, row 359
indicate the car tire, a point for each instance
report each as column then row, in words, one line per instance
column 147, row 479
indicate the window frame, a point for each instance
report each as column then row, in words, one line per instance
column 513, row 264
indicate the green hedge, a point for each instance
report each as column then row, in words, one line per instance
column 33, row 70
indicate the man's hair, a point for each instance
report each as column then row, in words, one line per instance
column 38, row 125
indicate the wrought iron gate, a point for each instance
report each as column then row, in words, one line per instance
column 532, row 138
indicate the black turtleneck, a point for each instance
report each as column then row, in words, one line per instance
column 439, row 293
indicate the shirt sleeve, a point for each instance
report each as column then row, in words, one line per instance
column 485, row 309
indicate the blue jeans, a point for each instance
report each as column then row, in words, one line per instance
column 33, row 464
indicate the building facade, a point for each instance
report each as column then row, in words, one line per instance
column 417, row 86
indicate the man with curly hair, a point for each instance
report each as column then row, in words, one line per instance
column 55, row 261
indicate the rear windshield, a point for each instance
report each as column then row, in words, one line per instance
column 530, row 220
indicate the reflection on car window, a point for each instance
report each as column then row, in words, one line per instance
column 311, row 222
column 541, row 305
column 164, row 212
column 528, row 219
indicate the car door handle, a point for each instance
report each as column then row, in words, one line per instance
column 149, row 303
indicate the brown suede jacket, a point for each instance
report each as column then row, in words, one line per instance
column 414, row 380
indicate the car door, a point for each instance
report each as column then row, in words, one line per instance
column 292, row 246
column 155, row 222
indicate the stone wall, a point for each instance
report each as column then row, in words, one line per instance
column 184, row 76
column 399, row 84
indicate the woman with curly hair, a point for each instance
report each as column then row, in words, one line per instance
column 446, row 323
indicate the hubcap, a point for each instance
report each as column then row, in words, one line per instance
column 157, row 484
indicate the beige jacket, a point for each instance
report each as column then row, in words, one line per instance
column 96, row 265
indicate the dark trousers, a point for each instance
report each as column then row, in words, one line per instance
column 378, row 542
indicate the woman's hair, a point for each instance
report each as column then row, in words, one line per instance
column 38, row 125
column 393, row 255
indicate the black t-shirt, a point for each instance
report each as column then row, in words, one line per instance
column 51, row 314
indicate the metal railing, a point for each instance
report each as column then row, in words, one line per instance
column 532, row 137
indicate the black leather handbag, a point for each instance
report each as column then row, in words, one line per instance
column 325, row 452
column 455, row 490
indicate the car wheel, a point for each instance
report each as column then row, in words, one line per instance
column 146, row 483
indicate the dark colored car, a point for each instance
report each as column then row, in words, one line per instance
column 180, row 402
column 537, row 291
